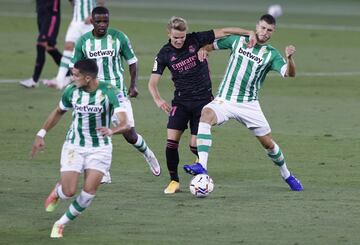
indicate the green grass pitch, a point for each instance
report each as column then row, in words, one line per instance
column 315, row 119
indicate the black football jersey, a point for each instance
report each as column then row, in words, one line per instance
column 190, row 76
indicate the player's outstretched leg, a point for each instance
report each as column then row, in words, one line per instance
column 276, row 155
column 139, row 143
column 195, row 169
column 172, row 161
column 204, row 142
column 82, row 202
column 51, row 201
column 57, row 230
column 152, row 162
column 294, row 183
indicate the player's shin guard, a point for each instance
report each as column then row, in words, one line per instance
column 141, row 145
column 77, row 207
column 204, row 141
column 172, row 159
column 276, row 155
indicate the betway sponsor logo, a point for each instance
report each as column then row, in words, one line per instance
column 88, row 108
column 101, row 53
column 251, row 56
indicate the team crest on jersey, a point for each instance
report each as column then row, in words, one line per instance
column 191, row 49
column 121, row 97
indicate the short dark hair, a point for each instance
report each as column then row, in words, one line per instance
column 268, row 18
column 99, row 10
column 87, row 67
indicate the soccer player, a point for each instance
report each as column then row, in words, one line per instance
column 80, row 24
column 48, row 21
column 87, row 148
column 238, row 93
column 192, row 86
column 109, row 47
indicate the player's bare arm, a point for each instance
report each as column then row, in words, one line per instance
column 133, row 70
column 219, row 33
column 203, row 53
column 50, row 122
column 119, row 129
column 291, row 69
column 153, row 88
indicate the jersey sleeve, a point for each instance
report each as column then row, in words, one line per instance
column 159, row 63
column 126, row 49
column 65, row 102
column 278, row 63
column 78, row 53
column 226, row 42
column 204, row 37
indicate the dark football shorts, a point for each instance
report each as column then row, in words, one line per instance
column 186, row 113
column 48, row 25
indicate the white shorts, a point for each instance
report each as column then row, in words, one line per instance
column 127, row 109
column 76, row 29
column 77, row 158
column 247, row 113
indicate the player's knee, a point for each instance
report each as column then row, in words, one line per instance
column 42, row 44
column 266, row 141
column 69, row 192
column 208, row 116
column 69, row 46
column 50, row 48
column 172, row 144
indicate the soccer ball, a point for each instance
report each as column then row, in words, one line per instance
column 275, row 10
column 201, row 185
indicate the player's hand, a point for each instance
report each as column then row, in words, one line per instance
column 289, row 51
column 252, row 40
column 133, row 92
column 202, row 54
column 163, row 105
column 105, row 131
column 38, row 145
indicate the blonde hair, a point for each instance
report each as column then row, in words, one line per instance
column 177, row 23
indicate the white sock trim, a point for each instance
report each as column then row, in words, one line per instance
column 85, row 199
column 61, row 194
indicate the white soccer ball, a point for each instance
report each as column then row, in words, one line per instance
column 275, row 10
column 201, row 185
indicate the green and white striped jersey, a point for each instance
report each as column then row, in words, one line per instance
column 90, row 111
column 247, row 68
column 109, row 52
column 82, row 9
